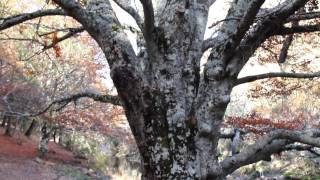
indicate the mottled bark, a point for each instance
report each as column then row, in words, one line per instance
column 44, row 140
column 175, row 113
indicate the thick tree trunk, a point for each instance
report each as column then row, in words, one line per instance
column 172, row 133
column 175, row 112
column 44, row 140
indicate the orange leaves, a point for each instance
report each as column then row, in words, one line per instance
column 56, row 47
column 54, row 44
column 57, row 51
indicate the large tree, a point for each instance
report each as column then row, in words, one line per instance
column 174, row 111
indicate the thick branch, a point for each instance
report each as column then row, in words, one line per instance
column 276, row 74
column 17, row 19
column 297, row 29
column 304, row 16
column 73, row 9
column 149, row 27
column 260, row 32
column 268, row 145
column 295, row 147
column 148, row 16
column 239, row 19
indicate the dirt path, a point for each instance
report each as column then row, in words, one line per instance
column 19, row 161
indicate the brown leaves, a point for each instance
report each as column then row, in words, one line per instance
column 56, row 47
column 260, row 125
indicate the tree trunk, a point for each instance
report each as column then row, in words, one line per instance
column 174, row 111
column 8, row 126
column 174, row 118
column 31, row 128
column 60, row 140
column 3, row 123
column 44, row 140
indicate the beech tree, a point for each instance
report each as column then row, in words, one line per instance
column 175, row 111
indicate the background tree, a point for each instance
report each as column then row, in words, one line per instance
column 175, row 110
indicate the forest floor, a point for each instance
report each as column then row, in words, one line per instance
column 19, row 161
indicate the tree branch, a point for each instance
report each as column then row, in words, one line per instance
column 268, row 145
column 149, row 27
column 286, row 44
column 304, row 16
column 17, row 19
column 240, row 17
column 295, row 147
column 148, row 16
column 115, row 100
column 260, row 32
column 297, row 29
column 276, row 74
column 73, row 9
column 72, row 32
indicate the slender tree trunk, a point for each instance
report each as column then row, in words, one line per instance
column 3, row 123
column 60, row 140
column 8, row 126
column 31, row 128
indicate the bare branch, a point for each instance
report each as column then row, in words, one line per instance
column 286, row 44
column 268, row 145
column 73, row 9
column 304, row 16
column 220, row 21
column 276, row 74
column 149, row 27
column 17, row 19
column 227, row 136
column 295, row 147
column 115, row 100
column 71, row 33
column 285, row 48
column 240, row 17
column 297, row 29
column 260, row 32
column 148, row 16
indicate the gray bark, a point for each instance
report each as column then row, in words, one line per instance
column 175, row 113
column 44, row 140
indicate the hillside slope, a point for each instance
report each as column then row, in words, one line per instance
column 19, row 161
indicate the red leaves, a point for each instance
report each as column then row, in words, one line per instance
column 57, row 49
column 260, row 126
